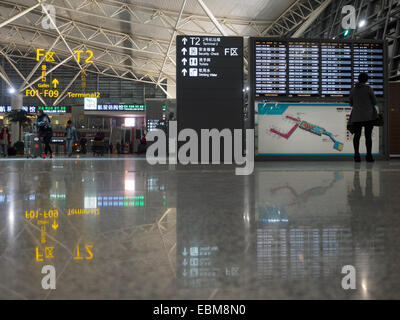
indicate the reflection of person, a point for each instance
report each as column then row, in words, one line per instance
column 365, row 210
column 363, row 114
column 44, row 130
column 143, row 145
column 5, row 141
column 83, row 143
column 70, row 137
column 118, row 148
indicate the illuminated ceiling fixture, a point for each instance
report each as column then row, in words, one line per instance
column 362, row 23
column 11, row 90
column 346, row 33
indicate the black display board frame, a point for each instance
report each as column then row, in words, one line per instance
column 252, row 53
column 224, row 110
column 382, row 101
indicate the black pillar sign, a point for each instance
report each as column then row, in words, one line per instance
column 209, row 72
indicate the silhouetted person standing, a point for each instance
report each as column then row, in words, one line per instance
column 70, row 137
column 44, row 130
column 364, row 114
column 5, row 141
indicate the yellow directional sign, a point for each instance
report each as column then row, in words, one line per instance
column 43, row 234
column 55, row 225
column 55, row 82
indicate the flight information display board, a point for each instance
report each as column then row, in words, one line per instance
column 336, row 69
column 271, row 68
column 308, row 70
column 303, row 69
column 368, row 58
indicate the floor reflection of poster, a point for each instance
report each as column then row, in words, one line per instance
column 306, row 129
column 285, row 196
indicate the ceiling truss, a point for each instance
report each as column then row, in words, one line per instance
column 123, row 54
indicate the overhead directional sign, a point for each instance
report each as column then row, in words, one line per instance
column 55, row 83
column 34, row 109
column 209, row 82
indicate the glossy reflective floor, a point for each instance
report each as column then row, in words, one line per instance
column 128, row 230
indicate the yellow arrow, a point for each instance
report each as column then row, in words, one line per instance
column 55, row 82
column 55, row 225
column 43, row 234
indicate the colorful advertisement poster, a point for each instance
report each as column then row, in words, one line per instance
column 307, row 129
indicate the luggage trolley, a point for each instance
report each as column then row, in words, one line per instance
column 32, row 145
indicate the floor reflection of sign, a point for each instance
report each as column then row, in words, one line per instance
column 194, row 262
column 194, row 251
column 47, row 253
column 199, row 266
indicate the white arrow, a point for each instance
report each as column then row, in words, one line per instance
column 184, row 40
column 184, row 50
column 184, row 61
column 184, row 71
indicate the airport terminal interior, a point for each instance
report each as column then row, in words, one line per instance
column 199, row 149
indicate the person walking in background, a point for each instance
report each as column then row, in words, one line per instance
column 363, row 114
column 70, row 137
column 44, row 130
column 99, row 135
column 5, row 141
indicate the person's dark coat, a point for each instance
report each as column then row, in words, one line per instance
column 363, row 101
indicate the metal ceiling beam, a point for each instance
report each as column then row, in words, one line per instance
column 48, row 72
column 218, row 26
column 139, row 14
column 95, row 45
column 60, row 34
column 96, row 71
column 212, row 18
column 101, row 54
column 311, row 19
column 63, row 95
column 5, row 77
column 21, row 75
column 38, row 64
column 114, row 40
column 19, row 15
column 172, row 39
column 292, row 18
column 111, row 38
